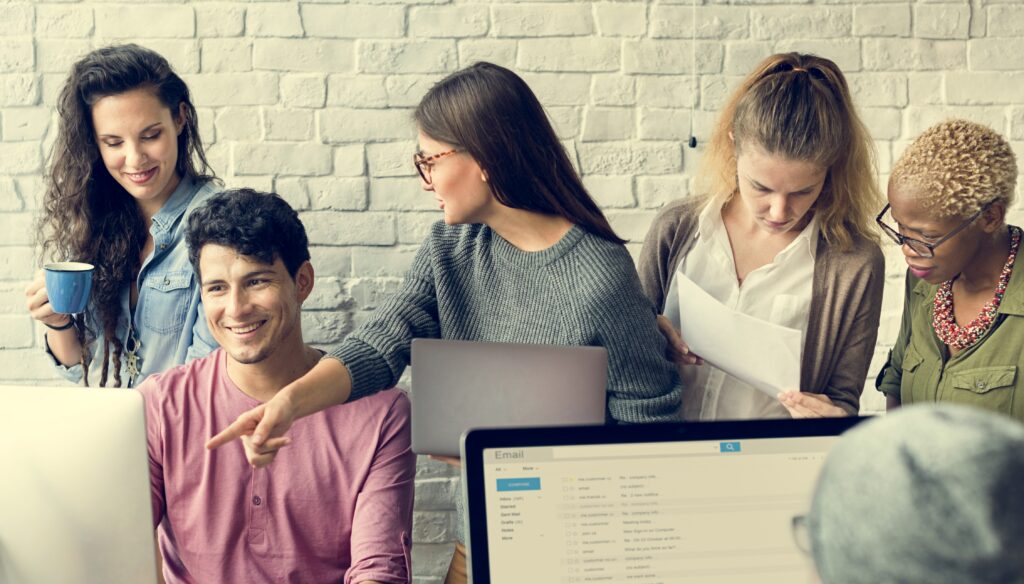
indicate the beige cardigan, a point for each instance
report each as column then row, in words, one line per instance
column 846, row 300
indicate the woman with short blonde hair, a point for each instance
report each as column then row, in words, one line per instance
column 962, row 330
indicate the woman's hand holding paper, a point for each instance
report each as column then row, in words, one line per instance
column 802, row 404
column 677, row 351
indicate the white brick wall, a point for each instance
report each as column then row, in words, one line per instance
column 313, row 99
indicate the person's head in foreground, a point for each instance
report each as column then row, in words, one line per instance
column 251, row 254
column 948, row 196
column 789, row 145
column 926, row 494
column 487, row 147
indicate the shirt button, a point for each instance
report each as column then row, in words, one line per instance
column 167, row 281
column 980, row 384
column 257, row 501
column 163, row 246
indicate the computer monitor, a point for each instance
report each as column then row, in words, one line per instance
column 709, row 503
column 74, row 493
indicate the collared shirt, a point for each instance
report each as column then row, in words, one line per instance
column 987, row 374
column 168, row 321
column 334, row 506
column 846, row 299
column 778, row 292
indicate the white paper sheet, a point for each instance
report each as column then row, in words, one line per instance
column 763, row 354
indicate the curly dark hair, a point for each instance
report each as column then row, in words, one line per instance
column 86, row 215
column 255, row 224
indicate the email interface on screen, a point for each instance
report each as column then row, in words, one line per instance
column 708, row 512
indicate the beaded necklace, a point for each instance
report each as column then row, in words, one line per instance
column 943, row 321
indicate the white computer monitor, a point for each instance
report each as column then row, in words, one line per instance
column 74, row 487
column 697, row 502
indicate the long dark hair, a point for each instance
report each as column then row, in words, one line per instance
column 87, row 216
column 491, row 113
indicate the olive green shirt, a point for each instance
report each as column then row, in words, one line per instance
column 920, row 368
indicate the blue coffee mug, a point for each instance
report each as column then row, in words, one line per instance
column 68, row 285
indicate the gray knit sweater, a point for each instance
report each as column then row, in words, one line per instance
column 467, row 283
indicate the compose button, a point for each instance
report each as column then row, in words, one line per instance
column 529, row 484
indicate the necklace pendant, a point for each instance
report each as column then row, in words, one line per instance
column 133, row 365
column 132, row 358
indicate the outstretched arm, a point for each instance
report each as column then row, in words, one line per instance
column 370, row 359
column 326, row 384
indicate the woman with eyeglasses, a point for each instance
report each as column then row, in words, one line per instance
column 962, row 331
column 523, row 255
column 782, row 232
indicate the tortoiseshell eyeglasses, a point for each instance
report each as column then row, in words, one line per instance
column 424, row 164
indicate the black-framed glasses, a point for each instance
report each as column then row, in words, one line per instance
column 801, row 536
column 424, row 164
column 923, row 248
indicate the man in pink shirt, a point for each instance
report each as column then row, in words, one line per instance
column 336, row 504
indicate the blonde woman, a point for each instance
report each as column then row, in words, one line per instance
column 783, row 231
column 962, row 331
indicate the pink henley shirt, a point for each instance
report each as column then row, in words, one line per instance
column 334, row 506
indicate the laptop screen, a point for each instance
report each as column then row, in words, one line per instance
column 709, row 511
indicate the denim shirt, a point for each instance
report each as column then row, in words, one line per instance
column 168, row 321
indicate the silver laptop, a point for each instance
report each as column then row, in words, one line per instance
column 457, row 385
column 74, row 493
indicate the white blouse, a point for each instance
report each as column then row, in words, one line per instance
column 778, row 292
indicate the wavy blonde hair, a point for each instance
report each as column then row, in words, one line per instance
column 799, row 107
column 957, row 167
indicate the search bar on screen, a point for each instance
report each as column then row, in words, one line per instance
column 639, row 449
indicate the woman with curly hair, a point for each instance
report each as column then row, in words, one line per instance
column 126, row 169
column 783, row 232
column 963, row 315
